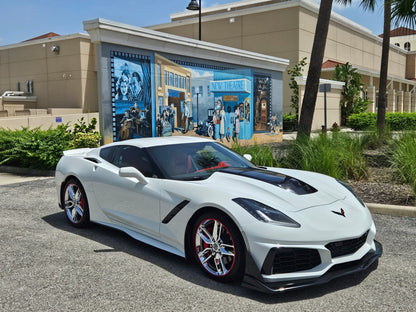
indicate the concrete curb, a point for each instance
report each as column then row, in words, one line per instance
column 27, row 171
column 395, row 210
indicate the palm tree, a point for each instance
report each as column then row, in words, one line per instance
column 314, row 73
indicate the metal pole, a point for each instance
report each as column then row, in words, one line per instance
column 325, row 110
column 197, row 108
column 200, row 19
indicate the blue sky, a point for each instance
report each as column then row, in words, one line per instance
column 25, row 19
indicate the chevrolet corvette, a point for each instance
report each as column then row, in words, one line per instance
column 272, row 229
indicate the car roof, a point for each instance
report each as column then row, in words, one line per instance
column 159, row 141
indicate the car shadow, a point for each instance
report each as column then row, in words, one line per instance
column 118, row 241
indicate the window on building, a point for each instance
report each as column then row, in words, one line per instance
column 207, row 90
column 171, row 79
column 201, row 90
column 407, row 46
column 159, row 76
column 166, row 78
column 176, row 80
column 188, row 85
column 193, row 91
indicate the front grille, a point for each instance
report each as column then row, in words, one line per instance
column 287, row 260
column 346, row 247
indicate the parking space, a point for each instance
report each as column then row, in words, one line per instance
column 47, row 265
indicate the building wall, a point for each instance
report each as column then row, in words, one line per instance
column 286, row 30
column 66, row 79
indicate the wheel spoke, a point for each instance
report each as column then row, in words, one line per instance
column 74, row 214
column 205, row 260
column 217, row 262
column 79, row 210
column 216, row 231
column 208, row 238
column 226, row 252
column 69, row 204
column 78, row 195
column 224, row 270
column 71, row 193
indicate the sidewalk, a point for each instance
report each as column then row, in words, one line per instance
column 11, row 175
column 10, row 178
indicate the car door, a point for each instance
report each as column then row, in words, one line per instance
column 125, row 201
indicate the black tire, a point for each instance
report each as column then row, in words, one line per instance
column 75, row 203
column 221, row 255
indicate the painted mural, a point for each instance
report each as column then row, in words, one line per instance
column 188, row 98
column 131, row 96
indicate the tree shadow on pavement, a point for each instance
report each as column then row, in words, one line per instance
column 118, row 241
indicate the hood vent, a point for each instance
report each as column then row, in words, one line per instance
column 283, row 181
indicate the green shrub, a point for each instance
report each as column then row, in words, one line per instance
column 35, row 148
column 394, row 121
column 339, row 156
column 362, row 121
column 42, row 149
column 262, row 154
column 290, row 122
column 81, row 140
column 403, row 159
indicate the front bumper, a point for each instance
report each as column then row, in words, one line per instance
column 253, row 279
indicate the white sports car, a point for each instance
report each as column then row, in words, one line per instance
column 270, row 228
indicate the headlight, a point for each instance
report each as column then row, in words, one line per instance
column 265, row 213
column 352, row 192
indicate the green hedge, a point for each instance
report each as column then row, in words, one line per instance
column 42, row 149
column 394, row 121
column 290, row 122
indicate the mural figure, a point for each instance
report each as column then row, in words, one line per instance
column 237, row 121
column 126, row 125
column 222, row 123
column 122, row 86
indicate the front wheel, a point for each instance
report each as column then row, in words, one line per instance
column 217, row 246
column 75, row 203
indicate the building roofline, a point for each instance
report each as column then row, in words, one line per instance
column 45, row 40
column 375, row 74
column 253, row 6
column 259, row 6
column 102, row 30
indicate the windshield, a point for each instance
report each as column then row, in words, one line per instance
column 194, row 161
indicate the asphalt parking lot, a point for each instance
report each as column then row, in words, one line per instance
column 47, row 265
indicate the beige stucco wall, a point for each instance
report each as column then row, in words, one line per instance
column 332, row 104
column 66, row 79
column 46, row 121
column 287, row 30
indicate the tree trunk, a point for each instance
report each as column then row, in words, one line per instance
column 314, row 73
column 381, row 105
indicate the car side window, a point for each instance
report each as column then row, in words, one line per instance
column 107, row 153
column 131, row 156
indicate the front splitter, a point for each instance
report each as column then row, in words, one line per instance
column 255, row 281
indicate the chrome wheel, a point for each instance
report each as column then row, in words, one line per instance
column 215, row 247
column 75, row 203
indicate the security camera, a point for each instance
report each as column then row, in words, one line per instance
column 55, row 49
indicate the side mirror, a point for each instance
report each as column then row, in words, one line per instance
column 248, row 157
column 131, row 172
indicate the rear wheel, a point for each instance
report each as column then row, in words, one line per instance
column 74, row 201
column 217, row 246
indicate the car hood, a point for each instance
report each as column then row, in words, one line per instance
column 286, row 189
